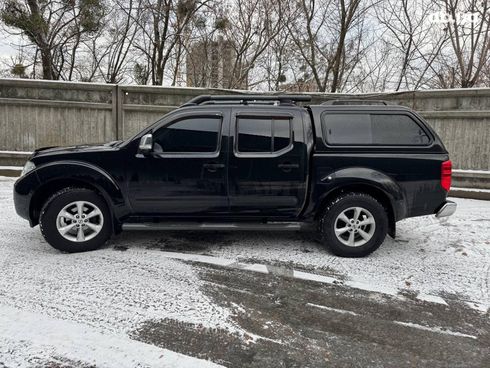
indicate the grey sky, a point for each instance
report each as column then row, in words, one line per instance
column 6, row 50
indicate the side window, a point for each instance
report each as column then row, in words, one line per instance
column 282, row 134
column 262, row 135
column 197, row 134
column 254, row 135
column 397, row 129
column 374, row 129
column 352, row 129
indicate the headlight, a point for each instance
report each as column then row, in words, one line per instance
column 28, row 167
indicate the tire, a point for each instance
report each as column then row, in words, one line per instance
column 356, row 238
column 96, row 227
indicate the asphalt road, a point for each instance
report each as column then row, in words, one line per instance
column 296, row 323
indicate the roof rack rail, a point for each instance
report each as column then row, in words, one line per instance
column 354, row 102
column 246, row 99
column 255, row 102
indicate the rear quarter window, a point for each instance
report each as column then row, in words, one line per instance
column 373, row 129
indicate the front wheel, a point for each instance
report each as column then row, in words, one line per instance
column 75, row 220
column 353, row 225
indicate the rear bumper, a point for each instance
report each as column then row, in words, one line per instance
column 447, row 209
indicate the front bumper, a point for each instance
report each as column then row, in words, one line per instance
column 447, row 209
column 24, row 188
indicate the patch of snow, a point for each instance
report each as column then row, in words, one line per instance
column 484, row 308
column 341, row 311
column 371, row 286
column 440, row 330
column 256, row 268
column 25, row 334
column 198, row 258
column 111, row 290
column 431, row 298
column 314, row 277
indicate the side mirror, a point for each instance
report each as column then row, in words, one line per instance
column 146, row 144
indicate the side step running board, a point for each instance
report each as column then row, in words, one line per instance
column 249, row 226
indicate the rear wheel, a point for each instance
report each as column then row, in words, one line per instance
column 75, row 220
column 353, row 225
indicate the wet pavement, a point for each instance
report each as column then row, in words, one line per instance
column 297, row 323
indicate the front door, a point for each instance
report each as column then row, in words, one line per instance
column 185, row 174
column 267, row 168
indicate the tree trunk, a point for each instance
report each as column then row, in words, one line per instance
column 47, row 63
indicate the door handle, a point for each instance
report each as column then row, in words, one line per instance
column 287, row 166
column 213, row 167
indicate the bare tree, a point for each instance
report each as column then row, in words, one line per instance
column 276, row 65
column 111, row 48
column 230, row 44
column 160, row 28
column 326, row 34
column 55, row 27
column 198, row 48
column 462, row 64
column 300, row 45
column 15, row 66
column 251, row 25
column 411, row 41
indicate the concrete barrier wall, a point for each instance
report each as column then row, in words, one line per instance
column 35, row 113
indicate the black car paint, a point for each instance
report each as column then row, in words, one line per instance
column 179, row 185
column 268, row 185
column 290, row 186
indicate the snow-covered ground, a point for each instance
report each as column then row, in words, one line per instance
column 33, row 339
column 82, row 306
column 98, row 296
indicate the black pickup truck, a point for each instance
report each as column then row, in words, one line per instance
column 347, row 169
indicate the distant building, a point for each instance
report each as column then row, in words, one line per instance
column 210, row 64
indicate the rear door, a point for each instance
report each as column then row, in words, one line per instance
column 267, row 163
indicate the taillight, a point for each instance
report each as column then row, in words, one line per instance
column 446, row 171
